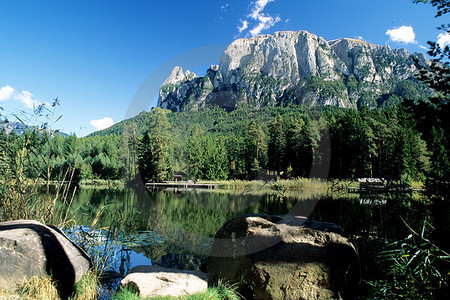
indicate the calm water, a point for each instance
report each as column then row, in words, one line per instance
column 128, row 227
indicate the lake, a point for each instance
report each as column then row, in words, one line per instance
column 124, row 227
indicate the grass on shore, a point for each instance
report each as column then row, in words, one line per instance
column 102, row 182
column 87, row 289
column 281, row 184
column 39, row 288
column 311, row 184
column 43, row 287
column 219, row 292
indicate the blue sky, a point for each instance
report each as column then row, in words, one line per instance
column 99, row 56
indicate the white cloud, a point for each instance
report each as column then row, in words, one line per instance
column 244, row 26
column 257, row 19
column 6, row 93
column 224, row 8
column 443, row 39
column 258, row 7
column 265, row 22
column 25, row 97
column 102, row 123
column 402, row 34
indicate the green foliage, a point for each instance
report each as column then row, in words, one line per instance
column 277, row 145
column 255, row 149
column 206, row 156
column 356, row 146
column 242, row 144
column 27, row 164
column 87, row 287
column 169, row 87
column 128, row 153
column 154, row 159
column 417, row 269
column 352, row 84
column 327, row 89
column 219, row 292
column 433, row 116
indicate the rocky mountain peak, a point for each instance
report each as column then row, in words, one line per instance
column 175, row 76
column 293, row 67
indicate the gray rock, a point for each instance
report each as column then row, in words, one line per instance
column 29, row 248
column 160, row 281
column 284, row 257
column 291, row 68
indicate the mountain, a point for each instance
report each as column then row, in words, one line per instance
column 20, row 128
column 289, row 68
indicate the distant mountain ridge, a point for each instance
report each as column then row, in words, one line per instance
column 294, row 68
column 20, row 128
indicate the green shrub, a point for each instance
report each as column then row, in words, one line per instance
column 417, row 269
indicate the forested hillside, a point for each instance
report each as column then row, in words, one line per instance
column 242, row 144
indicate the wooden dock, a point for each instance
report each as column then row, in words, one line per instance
column 182, row 185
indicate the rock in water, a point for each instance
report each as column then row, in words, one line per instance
column 285, row 257
column 297, row 67
column 160, row 281
column 29, row 248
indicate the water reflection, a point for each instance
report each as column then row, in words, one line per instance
column 176, row 229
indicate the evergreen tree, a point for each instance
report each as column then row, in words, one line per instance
column 235, row 145
column 255, row 150
column 154, row 149
column 216, row 166
column 434, row 116
column 195, row 154
column 128, row 149
column 297, row 152
column 277, row 145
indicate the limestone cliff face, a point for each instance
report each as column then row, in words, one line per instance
column 293, row 68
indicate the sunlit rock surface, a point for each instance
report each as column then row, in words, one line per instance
column 293, row 67
column 29, row 248
column 285, row 257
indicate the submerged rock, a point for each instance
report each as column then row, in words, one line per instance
column 29, row 248
column 285, row 257
column 160, row 281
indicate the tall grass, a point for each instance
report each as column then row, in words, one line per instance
column 26, row 191
column 43, row 287
column 242, row 184
column 102, row 183
column 87, row 287
column 416, row 269
column 40, row 287
column 220, row 291
column 310, row 184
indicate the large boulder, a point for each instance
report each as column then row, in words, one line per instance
column 29, row 248
column 285, row 257
column 160, row 281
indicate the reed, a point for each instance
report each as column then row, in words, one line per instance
column 312, row 184
column 220, row 291
column 40, row 288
